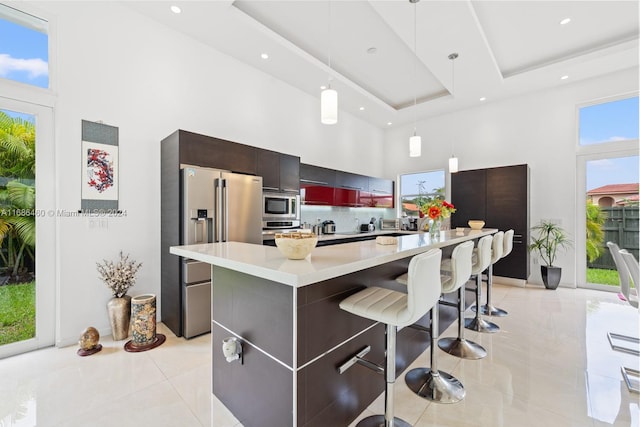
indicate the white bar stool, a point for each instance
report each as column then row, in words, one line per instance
column 507, row 246
column 397, row 309
column 431, row 383
column 461, row 268
column 482, row 262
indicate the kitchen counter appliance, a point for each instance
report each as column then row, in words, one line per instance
column 389, row 224
column 328, row 227
column 217, row 206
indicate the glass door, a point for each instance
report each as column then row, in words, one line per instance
column 27, row 227
column 611, row 215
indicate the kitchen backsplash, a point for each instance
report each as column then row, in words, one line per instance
column 346, row 219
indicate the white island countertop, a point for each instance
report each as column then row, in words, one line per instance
column 325, row 262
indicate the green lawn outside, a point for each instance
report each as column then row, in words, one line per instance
column 17, row 312
column 602, row 276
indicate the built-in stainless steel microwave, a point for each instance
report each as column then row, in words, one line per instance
column 280, row 206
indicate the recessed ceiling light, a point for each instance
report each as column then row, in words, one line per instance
column 372, row 50
column 565, row 77
column 264, row 55
column 389, row 123
column 323, row 87
column 565, row 21
column 483, row 99
column 361, row 108
column 175, row 9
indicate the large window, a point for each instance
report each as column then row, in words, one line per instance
column 417, row 188
column 27, row 225
column 24, row 47
column 609, row 122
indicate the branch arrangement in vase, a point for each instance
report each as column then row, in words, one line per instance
column 119, row 276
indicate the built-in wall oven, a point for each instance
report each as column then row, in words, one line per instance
column 280, row 210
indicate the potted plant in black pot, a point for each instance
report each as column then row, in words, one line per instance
column 550, row 237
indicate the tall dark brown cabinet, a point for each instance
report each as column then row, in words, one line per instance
column 500, row 197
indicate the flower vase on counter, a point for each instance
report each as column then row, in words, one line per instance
column 434, row 229
column 436, row 210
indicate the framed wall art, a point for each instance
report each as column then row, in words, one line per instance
column 99, row 167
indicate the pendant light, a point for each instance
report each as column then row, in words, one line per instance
column 415, row 142
column 329, row 97
column 453, row 161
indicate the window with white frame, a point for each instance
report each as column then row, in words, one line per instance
column 24, row 47
column 418, row 188
column 609, row 122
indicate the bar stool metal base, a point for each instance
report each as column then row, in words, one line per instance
column 441, row 388
column 379, row 421
column 462, row 348
column 490, row 310
column 481, row 325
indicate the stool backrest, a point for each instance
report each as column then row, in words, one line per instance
column 497, row 247
column 507, row 243
column 460, row 267
column 423, row 284
column 483, row 257
column 634, row 271
column 623, row 270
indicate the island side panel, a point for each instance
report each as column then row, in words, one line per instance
column 328, row 398
column 260, row 391
column 324, row 396
column 258, row 310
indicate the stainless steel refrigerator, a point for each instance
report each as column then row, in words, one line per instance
column 216, row 206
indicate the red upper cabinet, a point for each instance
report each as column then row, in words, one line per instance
column 316, row 185
column 328, row 187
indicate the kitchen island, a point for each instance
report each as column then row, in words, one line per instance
column 293, row 333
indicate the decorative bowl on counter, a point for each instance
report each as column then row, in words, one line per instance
column 296, row 245
column 476, row 224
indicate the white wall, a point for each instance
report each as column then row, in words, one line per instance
column 539, row 129
column 116, row 66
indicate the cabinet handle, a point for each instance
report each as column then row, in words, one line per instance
column 291, row 190
column 270, row 188
column 351, row 187
column 310, row 181
column 380, row 191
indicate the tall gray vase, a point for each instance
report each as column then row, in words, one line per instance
column 119, row 316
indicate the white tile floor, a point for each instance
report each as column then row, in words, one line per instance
column 550, row 365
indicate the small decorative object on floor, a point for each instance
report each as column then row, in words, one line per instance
column 89, row 342
column 119, row 277
column 143, row 324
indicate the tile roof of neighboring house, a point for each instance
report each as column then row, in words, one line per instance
column 615, row 189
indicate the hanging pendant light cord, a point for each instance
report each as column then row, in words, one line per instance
column 329, row 44
column 415, row 68
column 453, row 57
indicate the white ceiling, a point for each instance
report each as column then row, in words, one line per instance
column 505, row 48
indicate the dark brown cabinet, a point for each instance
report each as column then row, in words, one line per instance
column 289, row 173
column 207, row 151
column 500, row 197
column 279, row 172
